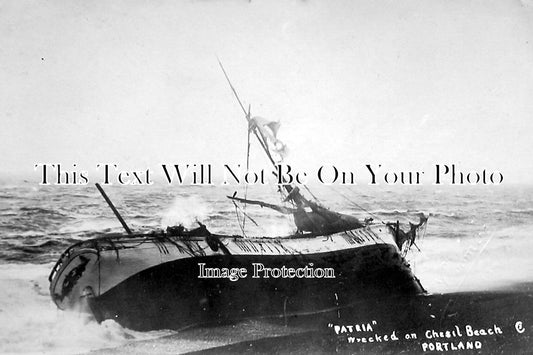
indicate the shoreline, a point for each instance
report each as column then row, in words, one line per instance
column 479, row 310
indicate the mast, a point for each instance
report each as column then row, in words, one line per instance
column 320, row 219
column 259, row 136
column 247, row 166
column 292, row 192
column 114, row 209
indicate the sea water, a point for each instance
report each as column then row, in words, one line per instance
column 477, row 238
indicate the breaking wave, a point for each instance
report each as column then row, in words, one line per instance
column 30, row 322
column 186, row 211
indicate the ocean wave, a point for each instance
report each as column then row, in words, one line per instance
column 526, row 211
column 30, row 322
column 448, row 215
column 41, row 214
column 413, row 214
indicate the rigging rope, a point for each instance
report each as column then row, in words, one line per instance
column 244, row 213
column 239, row 220
column 360, row 207
column 307, row 189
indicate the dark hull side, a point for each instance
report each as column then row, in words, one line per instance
column 171, row 295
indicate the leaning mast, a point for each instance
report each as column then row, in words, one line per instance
column 291, row 191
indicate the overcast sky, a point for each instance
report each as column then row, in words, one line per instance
column 404, row 84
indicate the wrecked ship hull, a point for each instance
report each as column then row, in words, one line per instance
column 154, row 281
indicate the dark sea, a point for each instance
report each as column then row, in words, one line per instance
column 479, row 239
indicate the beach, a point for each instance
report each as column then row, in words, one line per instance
column 497, row 322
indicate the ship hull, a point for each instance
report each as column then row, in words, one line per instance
column 158, row 284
